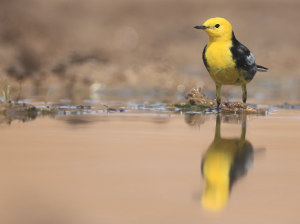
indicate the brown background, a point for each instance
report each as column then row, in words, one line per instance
column 77, row 40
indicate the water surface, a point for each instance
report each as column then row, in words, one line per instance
column 144, row 166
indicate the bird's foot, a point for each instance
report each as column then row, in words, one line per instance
column 218, row 110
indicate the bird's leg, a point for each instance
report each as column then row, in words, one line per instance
column 243, row 136
column 218, row 90
column 244, row 127
column 244, row 93
column 218, row 128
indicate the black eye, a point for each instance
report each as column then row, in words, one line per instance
column 217, row 25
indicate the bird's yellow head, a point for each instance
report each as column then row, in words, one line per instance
column 217, row 28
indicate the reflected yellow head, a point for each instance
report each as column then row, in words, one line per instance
column 216, row 168
column 215, row 197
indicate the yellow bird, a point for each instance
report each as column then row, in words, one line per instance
column 227, row 60
column 225, row 161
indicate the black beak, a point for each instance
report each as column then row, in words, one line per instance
column 202, row 27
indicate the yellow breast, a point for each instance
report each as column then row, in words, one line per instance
column 221, row 65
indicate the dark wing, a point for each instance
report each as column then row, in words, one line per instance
column 204, row 58
column 243, row 58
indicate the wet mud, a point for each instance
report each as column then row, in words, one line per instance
column 195, row 106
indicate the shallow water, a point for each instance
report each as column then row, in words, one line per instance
column 143, row 165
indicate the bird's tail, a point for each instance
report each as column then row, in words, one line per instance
column 261, row 68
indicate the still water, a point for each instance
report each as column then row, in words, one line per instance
column 151, row 166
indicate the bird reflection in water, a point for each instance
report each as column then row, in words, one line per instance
column 225, row 161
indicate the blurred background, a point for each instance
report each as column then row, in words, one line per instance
column 142, row 49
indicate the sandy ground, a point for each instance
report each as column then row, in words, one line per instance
column 63, row 47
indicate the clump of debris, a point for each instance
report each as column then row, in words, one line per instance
column 9, row 107
column 10, row 111
column 195, row 100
